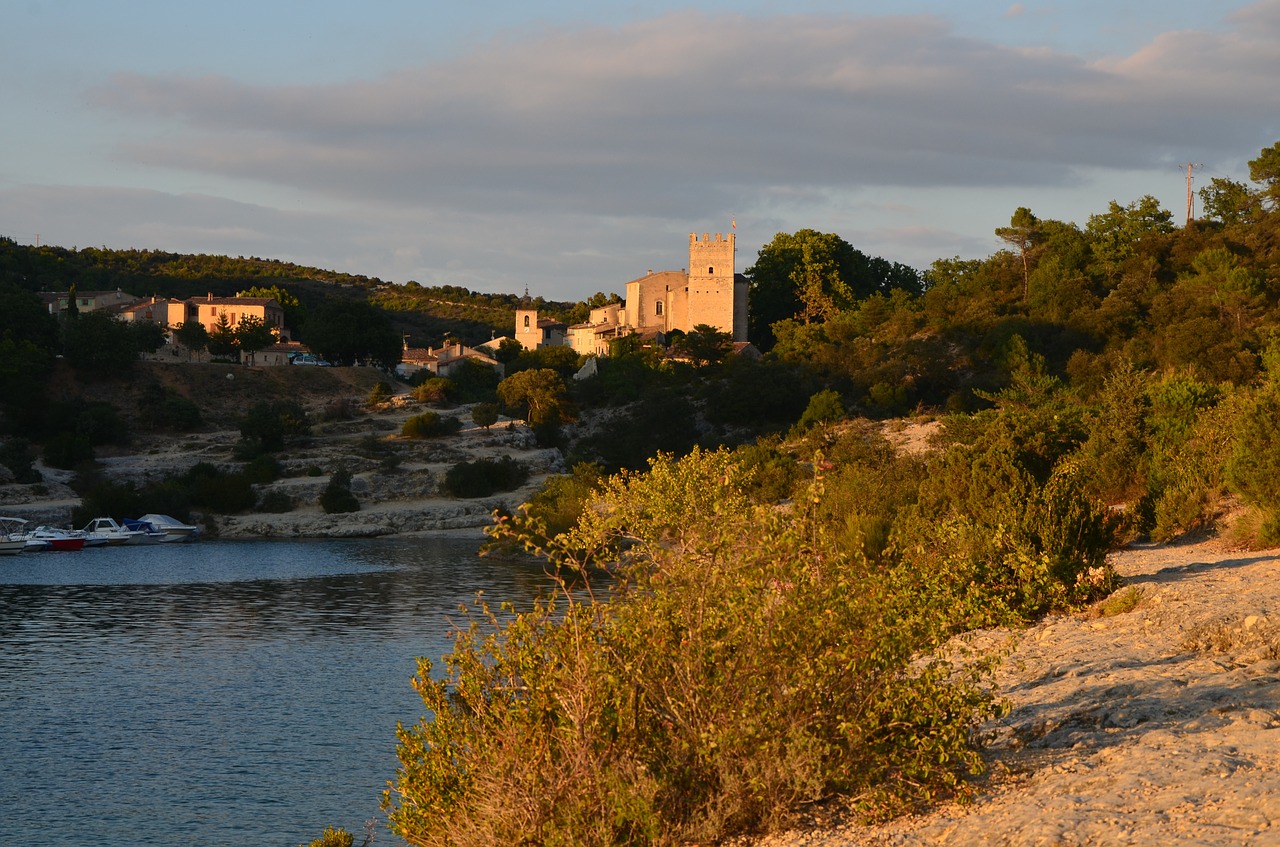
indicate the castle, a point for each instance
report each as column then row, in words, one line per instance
column 708, row 292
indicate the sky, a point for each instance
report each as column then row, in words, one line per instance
column 569, row 146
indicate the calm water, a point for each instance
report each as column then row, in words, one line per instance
column 219, row 692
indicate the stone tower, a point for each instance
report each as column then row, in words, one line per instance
column 713, row 293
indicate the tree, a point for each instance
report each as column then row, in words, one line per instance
column 706, row 345
column 508, row 350
column 295, row 314
column 1115, row 234
column 222, row 339
column 28, row 344
column 346, row 332
column 484, row 414
column 810, row 275
column 253, row 335
column 1266, row 170
column 1022, row 233
column 541, row 392
column 337, row 497
column 1229, row 201
column 96, row 343
column 148, row 337
column 192, row 335
column 824, row 407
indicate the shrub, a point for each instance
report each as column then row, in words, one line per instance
column 379, row 395
column 484, row 414
column 268, row 424
column 16, row 455
column 742, row 666
column 226, row 494
column 276, row 502
column 337, row 497
column 436, row 390
column 824, row 407
column 262, row 470
column 160, row 408
column 1253, row 468
column 484, row 477
column 430, row 425
column 334, row 838
column 67, row 450
column 339, row 409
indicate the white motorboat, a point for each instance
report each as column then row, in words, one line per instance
column 112, row 533
column 174, row 529
column 13, row 538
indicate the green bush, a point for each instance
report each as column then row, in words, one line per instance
column 743, row 666
column 436, row 390
column 1253, row 467
column 484, row 414
column 824, row 407
column 275, row 502
column 267, row 424
column 16, row 455
column 262, row 470
column 162, row 409
column 226, row 494
column 67, row 450
column 484, row 477
column 1188, row 466
column 556, row 507
column 334, row 838
column 430, row 425
column 337, row 497
column 379, row 395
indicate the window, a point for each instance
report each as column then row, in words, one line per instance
column 526, row 321
column 659, row 308
column 711, row 271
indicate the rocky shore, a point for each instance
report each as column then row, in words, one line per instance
column 398, row 481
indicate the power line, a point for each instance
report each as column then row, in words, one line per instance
column 1190, row 166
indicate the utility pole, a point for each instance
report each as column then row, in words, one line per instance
column 1190, row 166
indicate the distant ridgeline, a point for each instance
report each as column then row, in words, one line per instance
column 432, row 311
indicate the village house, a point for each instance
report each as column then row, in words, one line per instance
column 443, row 361
column 58, row 302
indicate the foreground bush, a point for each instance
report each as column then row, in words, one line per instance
column 741, row 666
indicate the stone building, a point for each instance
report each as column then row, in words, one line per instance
column 709, row 291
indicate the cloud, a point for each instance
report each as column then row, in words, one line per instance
column 686, row 111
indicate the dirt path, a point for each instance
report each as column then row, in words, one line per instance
column 1159, row 725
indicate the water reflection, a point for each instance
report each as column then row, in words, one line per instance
column 219, row 692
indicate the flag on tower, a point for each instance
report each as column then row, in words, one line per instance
column 733, row 223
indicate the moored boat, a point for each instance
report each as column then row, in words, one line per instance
column 13, row 537
column 59, row 539
column 113, row 533
column 174, row 529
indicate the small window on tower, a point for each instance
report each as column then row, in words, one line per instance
column 526, row 321
column 711, row 271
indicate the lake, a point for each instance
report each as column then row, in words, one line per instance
column 220, row 692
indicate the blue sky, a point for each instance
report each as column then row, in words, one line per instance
column 571, row 146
